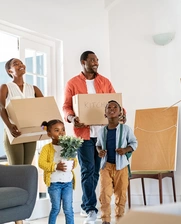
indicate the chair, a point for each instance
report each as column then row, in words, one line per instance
column 156, row 132
column 154, row 175
column 18, row 192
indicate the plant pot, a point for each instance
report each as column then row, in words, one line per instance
column 69, row 164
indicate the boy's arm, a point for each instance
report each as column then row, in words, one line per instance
column 98, row 148
column 131, row 143
column 122, row 151
column 131, row 139
column 101, row 152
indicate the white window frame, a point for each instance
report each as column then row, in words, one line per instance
column 55, row 78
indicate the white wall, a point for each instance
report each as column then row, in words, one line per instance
column 148, row 75
column 80, row 24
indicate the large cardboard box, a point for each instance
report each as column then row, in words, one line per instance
column 90, row 108
column 156, row 130
column 28, row 114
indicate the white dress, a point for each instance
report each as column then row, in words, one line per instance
column 14, row 91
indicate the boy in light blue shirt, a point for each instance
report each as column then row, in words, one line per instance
column 115, row 143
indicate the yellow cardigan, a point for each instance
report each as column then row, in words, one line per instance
column 46, row 163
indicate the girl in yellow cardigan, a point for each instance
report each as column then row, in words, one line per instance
column 58, row 177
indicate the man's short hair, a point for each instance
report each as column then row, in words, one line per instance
column 84, row 55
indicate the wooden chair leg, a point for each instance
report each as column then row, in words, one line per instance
column 143, row 189
column 173, row 184
column 19, row 222
column 129, row 195
column 160, row 187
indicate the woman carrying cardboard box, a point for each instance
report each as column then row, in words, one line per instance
column 22, row 153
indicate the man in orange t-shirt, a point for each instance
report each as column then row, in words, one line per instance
column 87, row 82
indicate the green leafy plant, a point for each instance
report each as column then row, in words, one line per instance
column 70, row 145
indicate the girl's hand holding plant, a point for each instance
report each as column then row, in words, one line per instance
column 61, row 166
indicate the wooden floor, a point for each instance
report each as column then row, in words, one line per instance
column 61, row 220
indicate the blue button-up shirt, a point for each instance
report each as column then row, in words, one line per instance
column 128, row 139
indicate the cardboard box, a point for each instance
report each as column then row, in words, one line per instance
column 28, row 114
column 90, row 108
column 156, row 130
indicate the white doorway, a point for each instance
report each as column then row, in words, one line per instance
column 9, row 49
column 43, row 59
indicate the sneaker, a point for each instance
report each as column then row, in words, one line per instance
column 91, row 217
column 83, row 213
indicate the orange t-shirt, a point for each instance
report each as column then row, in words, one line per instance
column 77, row 85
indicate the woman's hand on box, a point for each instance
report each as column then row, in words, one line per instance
column 14, row 130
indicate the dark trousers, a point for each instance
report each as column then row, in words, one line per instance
column 90, row 166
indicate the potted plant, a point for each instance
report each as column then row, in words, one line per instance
column 70, row 145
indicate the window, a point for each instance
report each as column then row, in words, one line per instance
column 34, row 55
